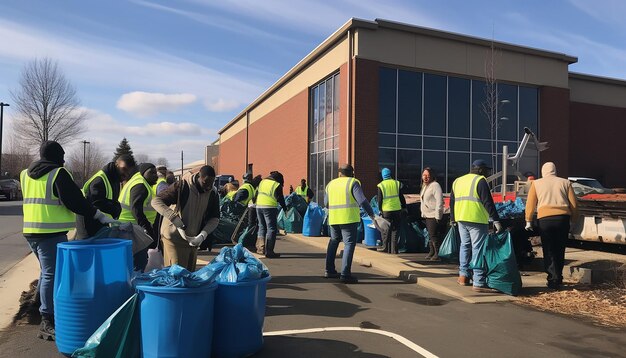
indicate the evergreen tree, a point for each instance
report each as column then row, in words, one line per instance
column 123, row 148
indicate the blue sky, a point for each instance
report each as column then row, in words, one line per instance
column 169, row 74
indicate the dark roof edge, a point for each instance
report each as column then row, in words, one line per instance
column 588, row 77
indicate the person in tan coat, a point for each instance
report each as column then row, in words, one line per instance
column 555, row 202
column 190, row 210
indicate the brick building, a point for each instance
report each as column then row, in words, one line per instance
column 383, row 94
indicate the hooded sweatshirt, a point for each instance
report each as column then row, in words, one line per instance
column 64, row 187
column 96, row 195
column 550, row 195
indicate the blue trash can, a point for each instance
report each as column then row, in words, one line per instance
column 176, row 321
column 239, row 316
column 372, row 235
column 92, row 280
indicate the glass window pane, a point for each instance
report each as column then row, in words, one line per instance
column 321, row 186
column 459, row 144
column 315, row 104
column 512, row 147
column 409, row 102
column 329, row 144
column 320, row 146
column 328, row 173
column 434, row 104
column 528, row 109
column 437, row 161
column 409, row 167
column 507, row 112
column 482, row 146
column 313, row 173
column 329, row 108
column 322, row 110
column 335, row 163
column 387, row 100
column 458, row 165
column 387, row 140
column 458, row 107
column 387, row 159
column 336, row 102
column 314, row 147
column 409, row 141
column 480, row 122
column 336, row 142
column 434, row 143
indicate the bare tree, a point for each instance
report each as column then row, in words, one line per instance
column 143, row 158
column 47, row 105
column 162, row 161
column 94, row 160
column 490, row 106
column 16, row 157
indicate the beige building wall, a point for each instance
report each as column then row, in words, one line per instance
column 236, row 127
column 597, row 90
column 449, row 55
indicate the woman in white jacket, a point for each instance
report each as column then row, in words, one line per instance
column 431, row 206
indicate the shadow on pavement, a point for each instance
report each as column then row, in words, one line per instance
column 302, row 347
column 13, row 209
column 276, row 306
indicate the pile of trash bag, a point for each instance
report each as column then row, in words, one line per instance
column 497, row 258
column 451, row 245
column 313, row 220
column 291, row 221
column 511, row 209
column 412, row 238
column 297, row 202
column 128, row 231
column 176, row 276
column 230, row 214
column 236, row 264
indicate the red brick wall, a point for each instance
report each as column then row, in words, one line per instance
column 232, row 157
column 554, row 127
column 278, row 141
column 365, row 112
column 596, row 147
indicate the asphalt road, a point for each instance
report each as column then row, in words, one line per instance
column 13, row 246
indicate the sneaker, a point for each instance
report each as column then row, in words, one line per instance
column 46, row 329
column 463, row 281
column 553, row 285
column 349, row 280
column 272, row 255
column 483, row 289
column 332, row 275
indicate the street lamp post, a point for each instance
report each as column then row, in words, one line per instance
column 2, row 105
column 85, row 160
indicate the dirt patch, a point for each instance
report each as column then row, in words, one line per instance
column 29, row 307
column 604, row 305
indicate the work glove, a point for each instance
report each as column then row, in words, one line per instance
column 178, row 222
column 529, row 226
column 197, row 240
column 498, row 227
column 103, row 219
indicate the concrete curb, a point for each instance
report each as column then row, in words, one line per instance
column 12, row 283
column 398, row 267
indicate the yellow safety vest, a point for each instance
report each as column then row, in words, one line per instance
column 467, row 204
column 251, row 191
column 107, row 186
column 43, row 211
column 342, row 207
column 231, row 194
column 127, row 215
column 391, row 195
column 303, row 192
column 266, row 198
column 154, row 187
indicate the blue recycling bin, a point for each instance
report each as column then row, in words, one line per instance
column 372, row 235
column 92, row 280
column 239, row 316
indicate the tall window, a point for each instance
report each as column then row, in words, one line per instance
column 437, row 121
column 323, row 135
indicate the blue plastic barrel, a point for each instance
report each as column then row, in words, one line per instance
column 372, row 235
column 239, row 316
column 175, row 321
column 92, row 280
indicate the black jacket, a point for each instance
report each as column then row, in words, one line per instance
column 64, row 188
column 138, row 195
column 96, row 195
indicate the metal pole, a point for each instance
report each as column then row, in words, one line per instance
column 2, row 105
column 505, row 164
column 85, row 160
column 182, row 166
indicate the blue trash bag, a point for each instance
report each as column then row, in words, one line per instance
column 497, row 258
column 297, row 202
column 313, row 219
column 511, row 209
column 451, row 245
column 175, row 276
column 118, row 337
column 409, row 238
column 425, row 240
column 237, row 264
column 325, row 225
column 375, row 208
column 292, row 221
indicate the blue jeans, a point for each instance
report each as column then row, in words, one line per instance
column 347, row 233
column 473, row 237
column 45, row 250
column 267, row 225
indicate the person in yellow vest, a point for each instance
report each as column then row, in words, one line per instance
column 246, row 192
column 102, row 190
column 51, row 200
column 195, row 215
column 269, row 195
column 158, row 188
column 343, row 198
column 391, row 203
column 471, row 207
column 135, row 199
column 304, row 191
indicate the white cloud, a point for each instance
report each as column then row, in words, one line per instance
column 145, row 104
column 608, row 11
column 221, row 105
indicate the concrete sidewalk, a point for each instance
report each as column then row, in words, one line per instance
column 437, row 276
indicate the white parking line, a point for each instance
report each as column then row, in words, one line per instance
column 397, row 337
